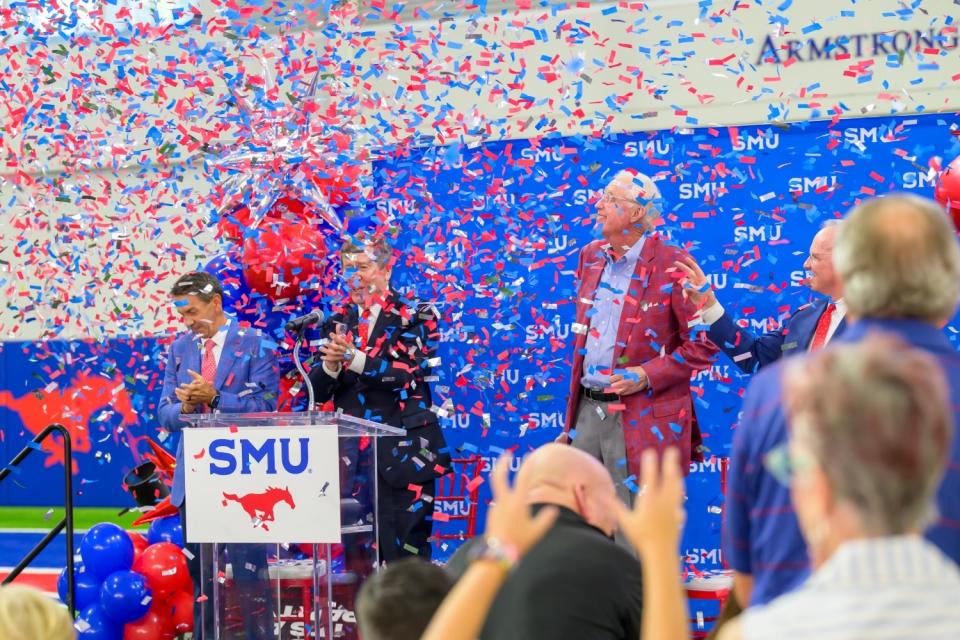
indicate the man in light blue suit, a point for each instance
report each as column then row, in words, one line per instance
column 809, row 328
column 217, row 365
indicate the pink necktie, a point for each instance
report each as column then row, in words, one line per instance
column 208, row 368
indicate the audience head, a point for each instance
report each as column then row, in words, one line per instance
column 871, row 430
column 898, row 258
column 628, row 206
column 819, row 264
column 398, row 602
column 561, row 475
column 28, row 614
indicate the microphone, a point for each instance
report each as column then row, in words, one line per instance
column 301, row 323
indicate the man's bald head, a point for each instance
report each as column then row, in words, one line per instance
column 898, row 258
column 559, row 474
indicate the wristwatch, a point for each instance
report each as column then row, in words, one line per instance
column 493, row 550
column 216, row 401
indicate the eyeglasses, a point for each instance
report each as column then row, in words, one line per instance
column 608, row 198
column 784, row 465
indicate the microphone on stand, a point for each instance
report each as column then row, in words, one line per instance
column 299, row 324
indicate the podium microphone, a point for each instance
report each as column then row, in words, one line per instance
column 301, row 323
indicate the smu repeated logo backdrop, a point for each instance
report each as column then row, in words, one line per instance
column 491, row 234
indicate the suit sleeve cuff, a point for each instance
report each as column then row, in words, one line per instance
column 712, row 313
column 333, row 373
column 358, row 362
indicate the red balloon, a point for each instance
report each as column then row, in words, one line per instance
column 165, row 568
column 139, row 544
column 152, row 626
column 338, row 184
column 234, row 224
column 179, row 611
column 947, row 191
column 283, row 256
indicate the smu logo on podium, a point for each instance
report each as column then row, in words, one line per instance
column 245, row 453
column 262, row 483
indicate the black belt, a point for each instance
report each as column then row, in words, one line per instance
column 599, row 396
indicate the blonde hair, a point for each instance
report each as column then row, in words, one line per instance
column 29, row 614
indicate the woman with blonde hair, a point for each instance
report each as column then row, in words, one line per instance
column 28, row 614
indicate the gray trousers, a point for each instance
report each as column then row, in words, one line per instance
column 600, row 433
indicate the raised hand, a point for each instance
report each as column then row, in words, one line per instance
column 508, row 516
column 696, row 286
column 655, row 523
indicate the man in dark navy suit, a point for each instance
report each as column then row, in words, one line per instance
column 810, row 327
column 376, row 366
column 900, row 264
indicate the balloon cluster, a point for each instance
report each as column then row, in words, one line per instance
column 131, row 587
column 947, row 191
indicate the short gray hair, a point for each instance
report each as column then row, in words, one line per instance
column 876, row 416
column 898, row 258
column 640, row 187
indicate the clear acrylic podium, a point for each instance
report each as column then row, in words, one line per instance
column 292, row 590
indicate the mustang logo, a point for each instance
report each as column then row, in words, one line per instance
column 259, row 506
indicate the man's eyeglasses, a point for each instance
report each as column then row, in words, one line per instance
column 608, row 198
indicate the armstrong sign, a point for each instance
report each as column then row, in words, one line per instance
column 858, row 45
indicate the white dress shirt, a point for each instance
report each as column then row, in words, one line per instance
column 359, row 360
column 219, row 339
column 835, row 319
column 894, row 588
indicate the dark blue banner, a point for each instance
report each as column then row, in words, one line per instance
column 491, row 234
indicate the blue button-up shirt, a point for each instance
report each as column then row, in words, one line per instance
column 605, row 317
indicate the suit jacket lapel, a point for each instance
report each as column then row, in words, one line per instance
column 190, row 360
column 591, row 280
column 228, row 356
column 634, row 294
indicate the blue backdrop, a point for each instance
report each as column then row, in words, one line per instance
column 491, row 233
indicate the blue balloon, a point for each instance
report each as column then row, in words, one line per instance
column 106, row 548
column 93, row 625
column 228, row 268
column 125, row 597
column 86, row 588
column 166, row 529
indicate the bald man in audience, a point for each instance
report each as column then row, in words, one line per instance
column 576, row 582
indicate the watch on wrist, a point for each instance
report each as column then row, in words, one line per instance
column 492, row 549
column 216, row 401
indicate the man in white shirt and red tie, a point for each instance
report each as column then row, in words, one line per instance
column 808, row 328
column 217, row 365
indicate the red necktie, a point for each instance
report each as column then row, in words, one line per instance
column 364, row 328
column 823, row 325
